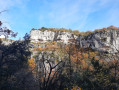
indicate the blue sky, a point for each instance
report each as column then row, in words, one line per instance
column 82, row 15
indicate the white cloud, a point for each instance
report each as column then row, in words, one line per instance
column 67, row 12
column 63, row 13
column 8, row 5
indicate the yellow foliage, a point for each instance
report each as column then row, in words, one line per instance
column 76, row 32
column 39, row 49
column 113, row 27
column 101, row 61
column 76, row 88
column 31, row 64
column 51, row 48
column 73, row 88
column 85, row 66
column 91, row 68
column 96, row 58
column 81, row 57
column 114, row 61
column 54, row 42
column 83, row 62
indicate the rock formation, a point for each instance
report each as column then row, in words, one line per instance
column 107, row 41
column 45, row 36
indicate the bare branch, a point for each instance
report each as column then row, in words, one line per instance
column 3, row 11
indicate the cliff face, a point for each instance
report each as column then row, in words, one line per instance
column 107, row 41
column 45, row 36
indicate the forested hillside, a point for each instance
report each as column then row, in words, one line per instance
column 54, row 65
column 60, row 59
column 59, row 44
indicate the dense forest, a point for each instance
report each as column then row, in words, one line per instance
column 57, row 66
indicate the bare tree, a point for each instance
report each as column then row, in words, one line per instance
column 48, row 71
column 5, row 31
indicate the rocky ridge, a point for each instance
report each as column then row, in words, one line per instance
column 106, row 39
column 46, row 36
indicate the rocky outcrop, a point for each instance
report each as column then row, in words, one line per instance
column 107, row 41
column 45, row 36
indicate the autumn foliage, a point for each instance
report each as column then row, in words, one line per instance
column 31, row 64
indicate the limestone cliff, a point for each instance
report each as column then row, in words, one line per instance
column 106, row 40
column 46, row 35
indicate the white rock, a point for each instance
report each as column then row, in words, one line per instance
column 2, row 36
column 45, row 36
column 103, row 41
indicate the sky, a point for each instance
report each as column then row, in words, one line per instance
column 83, row 15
